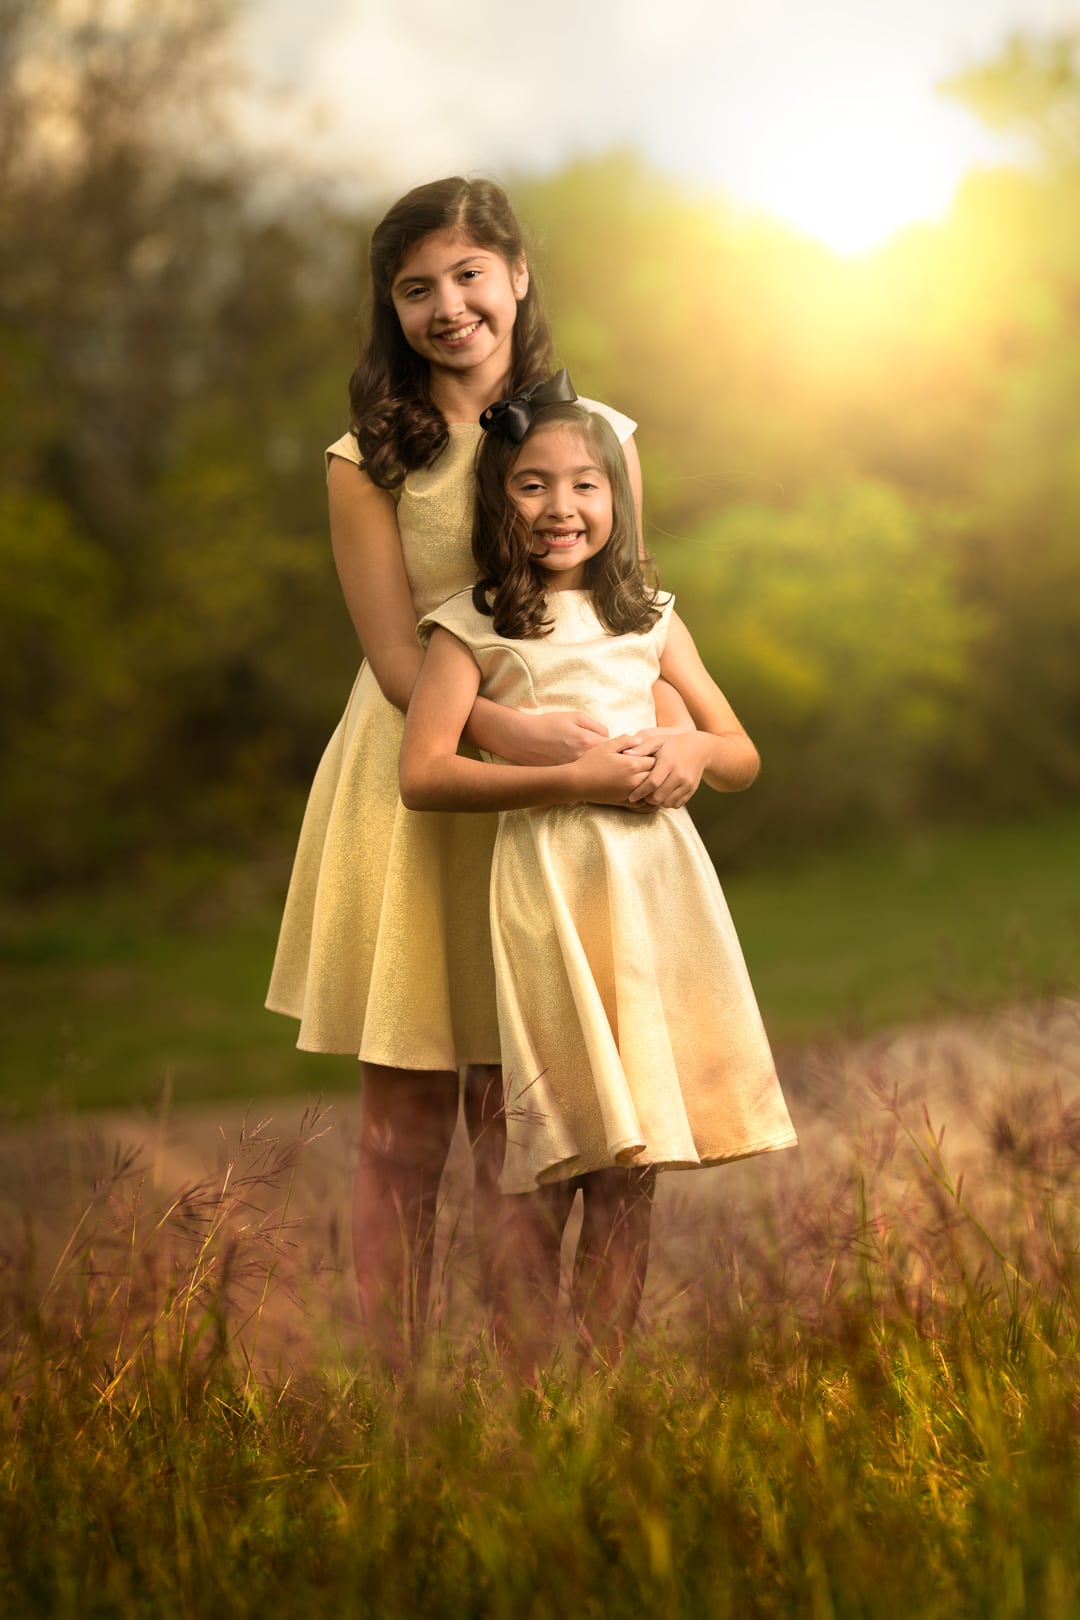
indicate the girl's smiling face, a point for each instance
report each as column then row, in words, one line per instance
column 457, row 303
column 563, row 493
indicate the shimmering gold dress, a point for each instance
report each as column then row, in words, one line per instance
column 385, row 944
column 628, row 1024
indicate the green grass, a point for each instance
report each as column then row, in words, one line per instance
column 105, row 1004
column 679, row 1496
column 104, row 1001
column 944, row 922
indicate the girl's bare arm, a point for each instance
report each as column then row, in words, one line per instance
column 718, row 751
column 371, row 569
column 434, row 776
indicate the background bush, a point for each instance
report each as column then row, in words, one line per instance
column 862, row 477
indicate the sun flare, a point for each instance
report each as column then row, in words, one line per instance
column 851, row 168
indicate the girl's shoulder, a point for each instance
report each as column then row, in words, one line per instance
column 347, row 449
column 664, row 602
column 624, row 425
column 461, row 617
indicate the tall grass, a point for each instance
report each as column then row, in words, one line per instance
column 855, row 1392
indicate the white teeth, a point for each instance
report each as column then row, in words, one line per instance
column 462, row 332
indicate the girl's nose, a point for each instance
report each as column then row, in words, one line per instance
column 449, row 302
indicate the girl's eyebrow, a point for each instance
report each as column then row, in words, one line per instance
column 470, row 258
column 546, row 472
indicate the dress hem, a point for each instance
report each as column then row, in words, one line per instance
column 567, row 1169
column 383, row 1059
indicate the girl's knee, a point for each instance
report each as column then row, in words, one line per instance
column 618, row 1185
column 483, row 1102
column 408, row 1116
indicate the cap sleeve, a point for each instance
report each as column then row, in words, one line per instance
column 346, row 447
column 348, row 450
column 459, row 616
column 663, row 623
column 623, row 425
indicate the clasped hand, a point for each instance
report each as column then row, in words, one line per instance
column 612, row 771
column 678, row 760
column 659, row 768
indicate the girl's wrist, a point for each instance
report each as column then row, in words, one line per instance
column 493, row 727
column 730, row 764
column 568, row 781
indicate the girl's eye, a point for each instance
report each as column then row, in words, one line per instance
column 412, row 293
column 467, row 275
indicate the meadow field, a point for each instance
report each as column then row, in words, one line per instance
column 855, row 1390
column 109, row 998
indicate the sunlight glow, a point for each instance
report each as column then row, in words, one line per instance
column 852, row 167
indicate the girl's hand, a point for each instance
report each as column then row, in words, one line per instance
column 679, row 759
column 552, row 739
column 610, row 772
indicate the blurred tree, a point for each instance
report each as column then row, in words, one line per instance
column 169, row 370
column 837, row 632
column 1033, row 86
column 862, row 476
column 1023, row 560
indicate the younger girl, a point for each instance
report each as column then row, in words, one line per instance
column 628, row 1027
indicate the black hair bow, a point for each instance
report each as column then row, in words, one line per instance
column 513, row 417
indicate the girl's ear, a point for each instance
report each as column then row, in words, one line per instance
column 519, row 280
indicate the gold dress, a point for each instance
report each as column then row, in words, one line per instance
column 385, row 945
column 628, row 1024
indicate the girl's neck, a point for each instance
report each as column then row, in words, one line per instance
column 464, row 396
column 555, row 584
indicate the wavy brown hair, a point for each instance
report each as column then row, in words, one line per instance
column 512, row 588
column 396, row 423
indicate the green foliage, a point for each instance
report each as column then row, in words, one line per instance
column 864, row 472
column 1034, row 86
column 836, row 630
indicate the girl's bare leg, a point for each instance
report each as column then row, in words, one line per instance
column 518, row 1237
column 612, row 1257
column 407, row 1118
column 528, row 1273
column 485, row 1121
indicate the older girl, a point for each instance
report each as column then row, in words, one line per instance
column 385, row 946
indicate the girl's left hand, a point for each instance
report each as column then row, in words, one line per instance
column 680, row 756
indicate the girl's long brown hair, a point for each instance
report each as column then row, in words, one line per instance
column 512, row 588
column 396, row 424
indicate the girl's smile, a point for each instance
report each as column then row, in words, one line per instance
column 457, row 303
column 565, row 499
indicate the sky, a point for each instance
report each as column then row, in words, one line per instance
column 825, row 112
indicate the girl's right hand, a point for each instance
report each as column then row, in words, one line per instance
column 553, row 739
column 608, row 774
